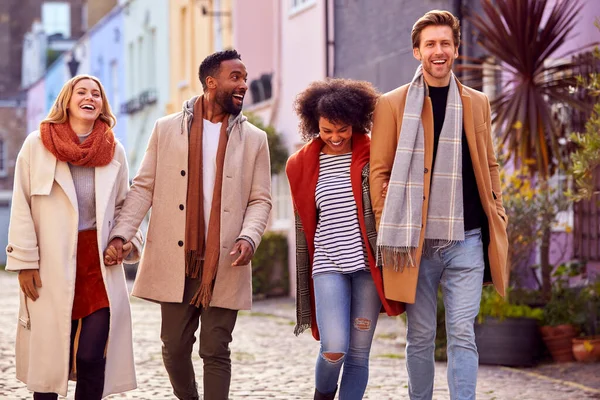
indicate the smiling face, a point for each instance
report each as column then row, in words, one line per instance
column 231, row 86
column 337, row 137
column 85, row 104
column 437, row 53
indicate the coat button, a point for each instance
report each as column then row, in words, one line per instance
column 180, row 243
column 182, row 172
column 426, row 170
column 181, row 207
column 9, row 249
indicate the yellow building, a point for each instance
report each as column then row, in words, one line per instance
column 197, row 29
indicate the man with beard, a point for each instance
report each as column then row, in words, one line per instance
column 206, row 175
column 441, row 220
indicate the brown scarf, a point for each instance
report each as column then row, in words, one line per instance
column 96, row 151
column 196, row 243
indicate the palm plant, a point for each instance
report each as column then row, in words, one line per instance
column 523, row 36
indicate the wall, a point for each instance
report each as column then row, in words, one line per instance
column 147, row 43
column 107, row 62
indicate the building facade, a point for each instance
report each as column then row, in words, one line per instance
column 107, row 62
column 147, row 65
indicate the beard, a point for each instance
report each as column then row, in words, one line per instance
column 225, row 100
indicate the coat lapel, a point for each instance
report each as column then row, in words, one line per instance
column 104, row 180
column 469, row 125
column 63, row 177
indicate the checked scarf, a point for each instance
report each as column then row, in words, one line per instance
column 401, row 221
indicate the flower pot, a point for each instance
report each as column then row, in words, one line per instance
column 560, row 346
column 558, row 330
column 513, row 342
column 587, row 349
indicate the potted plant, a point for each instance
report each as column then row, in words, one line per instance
column 587, row 348
column 507, row 333
column 564, row 313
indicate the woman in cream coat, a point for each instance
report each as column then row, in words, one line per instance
column 48, row 246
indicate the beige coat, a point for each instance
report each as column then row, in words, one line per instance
column 161, row 183
column 43, row 235
column 402, row 286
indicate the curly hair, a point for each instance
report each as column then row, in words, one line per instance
column 341, row 101
column 212, row 64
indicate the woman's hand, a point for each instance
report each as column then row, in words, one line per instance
column 116, row 251
column 29, row 280
column 384, row 190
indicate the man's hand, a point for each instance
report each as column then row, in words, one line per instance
column 246, row 252
column 29, row 280
column 384, row 190
column 116, row 251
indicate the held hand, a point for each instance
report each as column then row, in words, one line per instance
column 114, row 252
column 29, row 280
column 246, row 252
column 127, row 249
column 384, row 190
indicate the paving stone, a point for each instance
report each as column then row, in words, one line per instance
column 269, row 362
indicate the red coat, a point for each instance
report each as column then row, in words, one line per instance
column 303, row 172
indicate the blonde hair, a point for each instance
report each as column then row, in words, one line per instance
column 435, row 17
column 59, row 114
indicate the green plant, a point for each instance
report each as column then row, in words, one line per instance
column 270, row 274
column 277, row 149
column 492, row 305
column 566, row 305
column 523, row 36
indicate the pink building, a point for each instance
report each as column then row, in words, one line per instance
column 283, row 46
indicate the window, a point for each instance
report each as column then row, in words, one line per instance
column 297, row 6
column 131, row 77
column 152, row 58
column 114, row 86
column 282, row 203
column 3, row 159
column 56, row 18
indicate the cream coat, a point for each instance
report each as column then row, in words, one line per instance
column 161, row 183
column 43, row 234
column 401, row 286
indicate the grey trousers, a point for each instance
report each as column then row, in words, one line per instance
column 178, row 333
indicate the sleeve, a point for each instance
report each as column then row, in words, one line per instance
column 384, row 139
column 22, row 250
column 259, row 201
column 138, row 200
column 493, row 164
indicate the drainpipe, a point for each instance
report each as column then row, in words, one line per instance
column 329, row 43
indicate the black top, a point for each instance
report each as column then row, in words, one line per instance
column 473, row 211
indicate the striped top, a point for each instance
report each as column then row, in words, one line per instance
column 339, row 245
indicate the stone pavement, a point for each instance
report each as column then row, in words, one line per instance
column 269, row 362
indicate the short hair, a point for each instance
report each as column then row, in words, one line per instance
column 340, row 101
column 59, row 114
column 432, row 18
column 210, row 65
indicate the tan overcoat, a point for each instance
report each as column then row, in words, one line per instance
column 43, row 235
column 161, row 184
column 387, row 121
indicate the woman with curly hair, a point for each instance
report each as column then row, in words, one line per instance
column 339, row 287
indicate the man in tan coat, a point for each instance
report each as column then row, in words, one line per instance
column 206, row 176
column 436, row 195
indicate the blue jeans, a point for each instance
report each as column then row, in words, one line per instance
column 347, row 308
column 459, row 269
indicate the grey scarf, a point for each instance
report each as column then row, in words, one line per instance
column 400, row 227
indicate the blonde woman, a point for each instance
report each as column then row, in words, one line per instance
column 71, row 178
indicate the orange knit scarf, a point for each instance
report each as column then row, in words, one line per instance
column 96, row 151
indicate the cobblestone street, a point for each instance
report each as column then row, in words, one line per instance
column 269, row 362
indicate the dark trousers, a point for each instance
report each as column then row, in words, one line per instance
column 90, row 361
column 178, row 333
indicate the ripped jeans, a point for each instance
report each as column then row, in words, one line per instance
column 347, row 307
